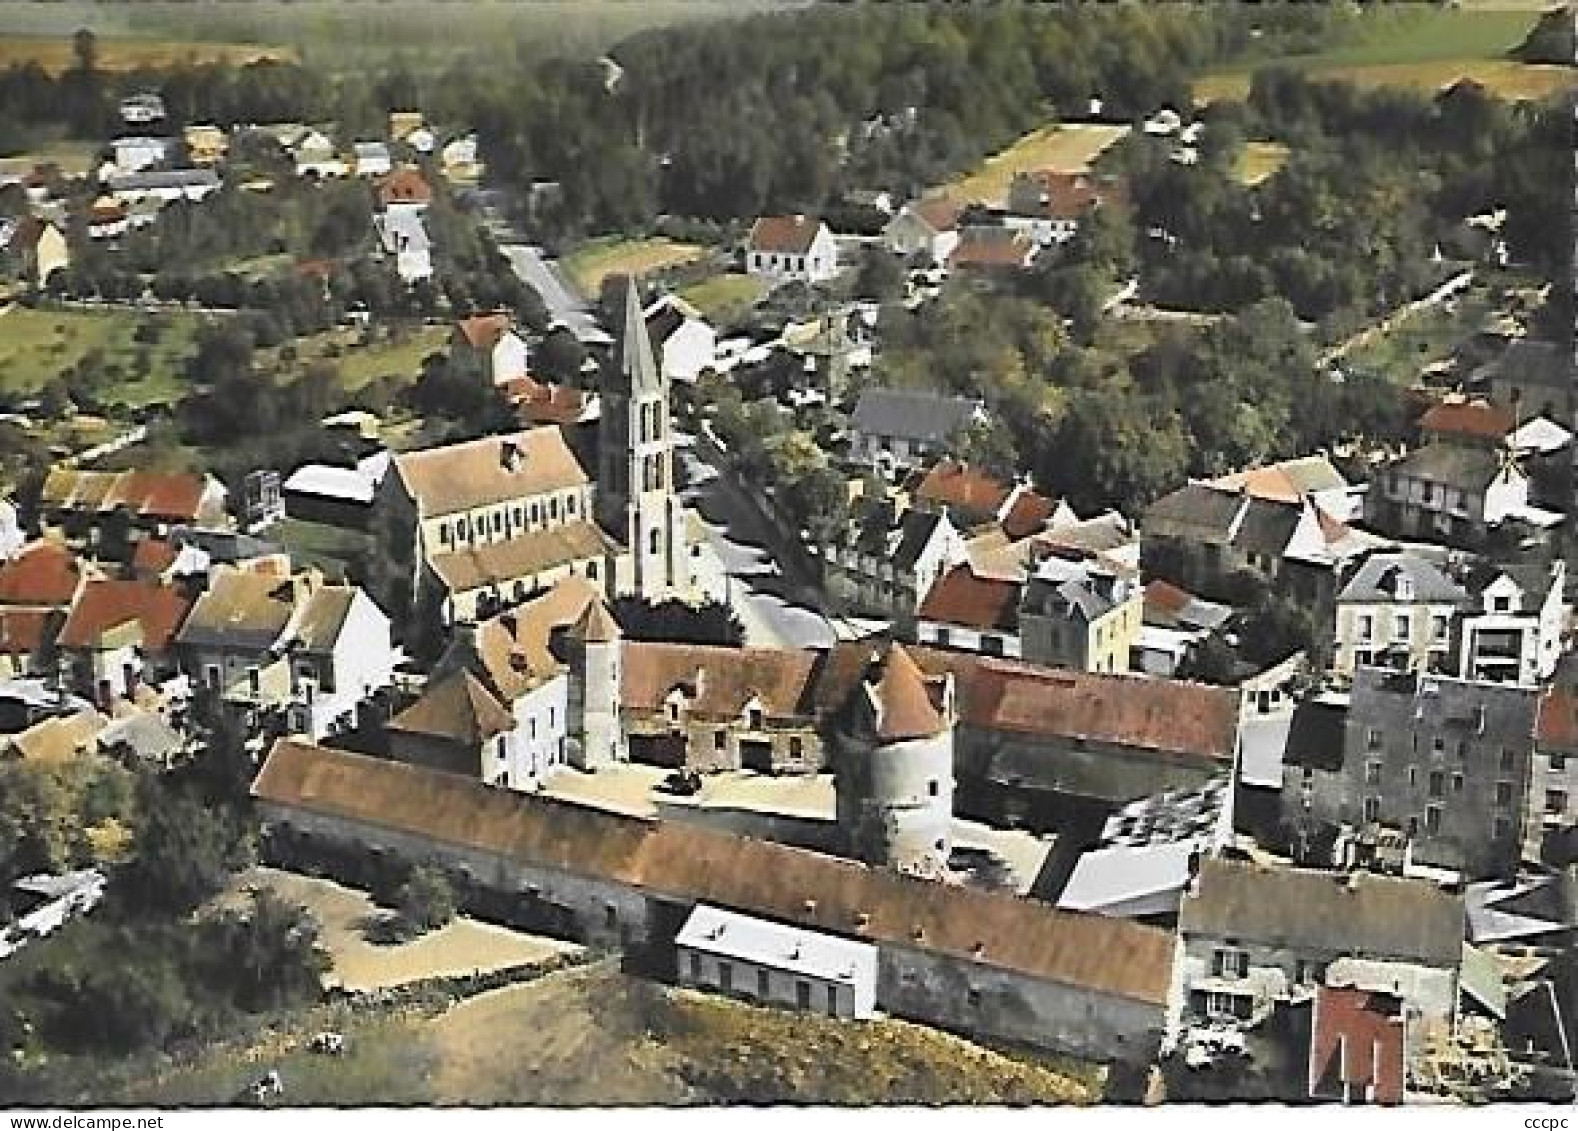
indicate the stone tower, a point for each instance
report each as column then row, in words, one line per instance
column 594, row 647
column 636, row 500
column 894, row 766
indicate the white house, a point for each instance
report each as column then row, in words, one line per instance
column 489, row 342
column 791, row 247
column 133, row 154
column 774, row 964
column 1449, row 490
column 404, row 238
column 685, row 343
column 315, row 156
column 371, row 159
column 928, row 227
column 163, row 185
column 1513, row 631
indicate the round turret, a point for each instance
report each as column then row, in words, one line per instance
column 894, row 766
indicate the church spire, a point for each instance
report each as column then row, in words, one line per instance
column 637, row 365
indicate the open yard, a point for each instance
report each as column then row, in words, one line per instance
column 462, row 947
column 1066, row 148
column 36, row 346
column 724, row 298
column 591, row 263
column 1419, row 46
column 74, row 158
column 595, row 1036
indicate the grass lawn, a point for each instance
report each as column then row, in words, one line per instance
column 1260, row 160
column 1425, row 337
column 1416, row 46
column 1068, row 148
column 594, row 261
column 55, row 54
column 725, row 297
column 328, row 548
column 359, row 364
column 38, row 345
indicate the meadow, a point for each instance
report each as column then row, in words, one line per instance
column 1066, row 148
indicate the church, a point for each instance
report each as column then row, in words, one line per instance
column 467, row 530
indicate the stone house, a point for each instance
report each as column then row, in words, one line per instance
column 1553, row 778
column 1253, row 936
column 1084, row 614
column 118, row 636
column 1513, row 624
column 890, row 564
column 1447, row 491
column 1398, row 610
column 973, row 612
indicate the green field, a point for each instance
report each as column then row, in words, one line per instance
column 400, row 357
column 1414, row 46
column 1068, row 149
column 725, row 297
column 36, row 346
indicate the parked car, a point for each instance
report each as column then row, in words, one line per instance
column 682, row 783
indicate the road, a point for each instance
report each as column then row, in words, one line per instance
column 738, row 570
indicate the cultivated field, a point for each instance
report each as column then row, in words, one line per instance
column 591, row 263
column 36, row 346
column 1066, row 148
column 55, row 55
column 1419, row 47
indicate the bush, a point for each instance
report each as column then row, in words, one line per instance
column 426, row 901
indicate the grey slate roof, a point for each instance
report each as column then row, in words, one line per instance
column 915, row 530
column 164, row 178
column 1267, row 527
column 1466, row 468
column 910, row 415
column 1359, row 914
column 1208, row 510
column 1376, row 581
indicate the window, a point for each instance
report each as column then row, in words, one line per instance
column 211, row 676
column 720, row 740
column 1509, row 761
column 443, row 533
column 1438, row 629
column 1502, row 604
column 973, row 996
column 695, row 967
column 1437, row 783
column 1457, row 783
column 591, row 570
column 1413, row 776
column 1504, row 793
column 1305, row 972
column 534, row 728
column 1558, row 762
column 1402, row 626
column 1366, row 627
column 1438, row 745
column 1556, row 801
column 254, row 681
column 1372, row 773
column 569, row 505
column 1372, row 809
column 655, row 541
column 553, row 508
column 1229, row 963
column 725, row 977
column 1503, row 828
column 802, row 994
column 753, row 718
column 796, row 748
column 1373, row 739
column 536, row 513
column 763, row 980
column 1413, row 826
column 517, row 517
column 932, row 788
column 673, row 711
column 1433, row 820
column 499, row 748
column 498, row 522
column 992, row 645
column 610, row 915
column 832, row 1001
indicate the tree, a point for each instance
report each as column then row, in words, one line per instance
column 85, row 50
column 184, row 852
column 880, row 276
column 676, row 622
column 818, row 502
column 426, row 901
column 269, row 955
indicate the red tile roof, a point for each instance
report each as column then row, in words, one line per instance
column 106, row 604
column 44, row 575
column 1468, row 418
column 1557, row 729
column 1028, row 515
column 153, row 556
column 174, row 496
column 993, row 247
column 962, row 598
column 956, row 484
column 784, row 235
column 23, row 631
column 404, row 186
column 1357, row 1039
column 718, row 681
column 483, row 331
column 1165, row 597
column 1062, row 195
column 941, row 213
column 906, row 704
column 536, row 403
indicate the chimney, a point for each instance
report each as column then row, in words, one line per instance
column 508, row 620
column 509, row 455
column 700, row 682
column 862, row 920
column 918, row 933
column 978, row 951
column 810, row 907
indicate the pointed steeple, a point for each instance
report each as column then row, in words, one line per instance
column 637, row 366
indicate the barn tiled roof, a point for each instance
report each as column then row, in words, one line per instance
column 784, row 235
column 685, row 862
column 459, row 708
column 521, row 557
column 106, row 604
column 952, row 483
column 719, row 681
column 1478, row 419
column 44, row 574
column 962, row 597
column 483, row 331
